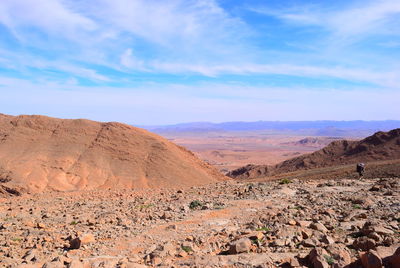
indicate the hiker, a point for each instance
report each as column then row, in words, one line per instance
column 361, row 169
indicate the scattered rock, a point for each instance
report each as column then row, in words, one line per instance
column 75, row 243
column 371, row 259
column 364, row 243
column 240, row 246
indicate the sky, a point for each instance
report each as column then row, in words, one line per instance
column 148, row 62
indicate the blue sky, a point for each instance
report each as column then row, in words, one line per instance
column 162, row 62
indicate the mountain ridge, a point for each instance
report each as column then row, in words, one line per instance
column 379, row 146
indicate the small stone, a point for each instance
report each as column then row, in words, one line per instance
column 75, row 243
column 290, row 262
column 363, row 243
column 375, row 236
column 309, row 243
column 240, row 246
column 327, row 240
column 156, row 261
column 371, row 259
column 395, row 261
column 182, row 254
column 306, row 233
column 340, row 253
column 388, row 241
column 256, row 235
column 319, row 227
column 303, row 223
column 383, row 231
column 40, row 225
column 30, row 255
column 317, row 258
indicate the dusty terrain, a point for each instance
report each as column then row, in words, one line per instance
column 39, row 153
column 288, row 223
column 230, row 150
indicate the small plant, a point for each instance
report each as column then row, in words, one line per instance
column 329, row 259
column 195, row 204
column 73, row 223
column 257, row 241
column 219, row 205
column 356, row 206
column 285, row 181
column 144, row 206
column 263, row 229
column 16, row 239
column 187, row 249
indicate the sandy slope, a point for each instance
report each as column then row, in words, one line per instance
column 40, row 153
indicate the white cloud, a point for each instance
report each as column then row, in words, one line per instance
column 128, row 60
column 51, row 16
column 366, row 18
column 183, row 26
column 83, row 32
column 355, row 20
column 166, row 22
column 181, row 37
column 361, row 75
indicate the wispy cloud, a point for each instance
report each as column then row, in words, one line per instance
column 128, row 60
column 354, row 20
column 51, row 16
column 361, row 75
column 121, row 34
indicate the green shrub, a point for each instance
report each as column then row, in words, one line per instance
column 263, row 229
column 144, row 206
column 195, row 204
column 329, row 259
column 186, row 249
column 285, row 181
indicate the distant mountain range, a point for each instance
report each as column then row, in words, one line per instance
column 317, row 128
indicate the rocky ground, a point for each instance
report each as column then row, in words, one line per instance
column 336, row 223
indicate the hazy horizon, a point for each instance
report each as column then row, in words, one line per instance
column 169, row 62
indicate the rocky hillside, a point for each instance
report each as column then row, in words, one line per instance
column 380, row 146
column 317, row 142
column 304, row 223
column 39, row 153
